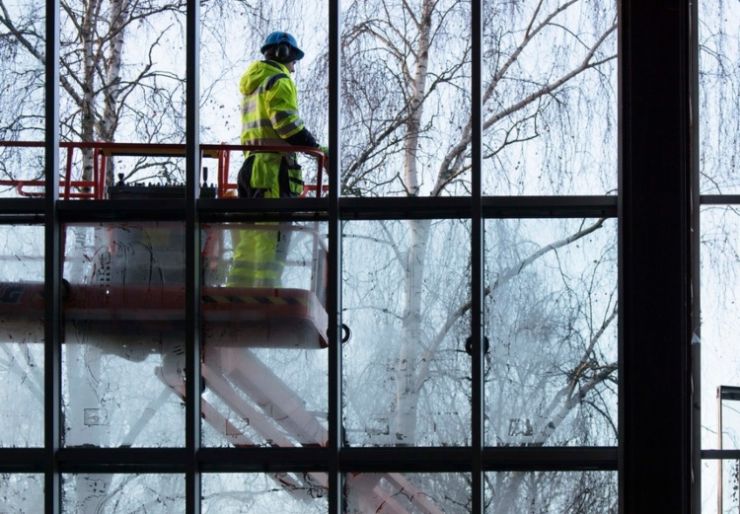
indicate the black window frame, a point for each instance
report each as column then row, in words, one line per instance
column 656, row 207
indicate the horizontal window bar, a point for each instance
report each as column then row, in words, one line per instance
column 416, row 459
column 21, row 207
column 13, row 209
column 161, row 209
column 719, row 199
column 550, row 459
column 123, row 460
column 493, row 207
column 22, row 460
column 242, row 209
column 264, row 459
column 720, row 454
column 549, row 206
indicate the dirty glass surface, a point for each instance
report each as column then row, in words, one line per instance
column 561, row 492
column 22, row 82
column 287, row 493
column 406, row 124
column 415, row 493
column 21, row 493
column 114, row 493
column 551, row 320
column 406, row 301
column 549, row 97
column 124, row 351
column 719, row 109
column 264, row 334
column 21, row 336
column 720, row 358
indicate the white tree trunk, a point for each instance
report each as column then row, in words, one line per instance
column 87, row 107
column 407, row 392
column 112, row 85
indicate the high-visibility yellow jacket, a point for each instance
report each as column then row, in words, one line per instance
column 270, row 117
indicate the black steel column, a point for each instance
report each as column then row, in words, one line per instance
column 334, row 285
column 52, row 268
column 693, row 53
column 655, row 257
column 477, row 260
column 192, row 260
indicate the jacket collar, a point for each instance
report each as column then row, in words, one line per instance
column 280, row 66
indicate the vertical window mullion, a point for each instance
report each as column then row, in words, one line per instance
column 52, row 267
column 334, row 275
column 192, row 260
column 476, row 318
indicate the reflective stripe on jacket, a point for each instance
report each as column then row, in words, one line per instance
column 269, row 116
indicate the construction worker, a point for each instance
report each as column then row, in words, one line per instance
column 269, row 118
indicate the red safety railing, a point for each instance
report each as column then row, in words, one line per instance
column 94, row 187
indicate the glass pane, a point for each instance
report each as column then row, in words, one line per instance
column 21, row 336
column 122, row 79
column 226, row 54
column 720, row 358
column 551, row 316
column 21, row 494
column 122, row 73
column 108, row 494
column 406, row 124
column 123, row 357
column 22, row 82
column 415, row 493
column 551, row 492
column 286, row 493
column 549, row 97
column 720, row 495
column 264, row 332
column 728, row 404
column 719, row 83
column 405, row 300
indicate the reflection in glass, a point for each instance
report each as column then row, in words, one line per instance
column 551, row 317
column 123, row 357
column 21, row 336
column 406, row 299
column 582, row 492
column 109, row 493
column 21, row 494
column 407, row 120
column 549, row 97
column 720, row 357
column 415, row 493
column 286, row 493
column 264, row 326
column 719, row 83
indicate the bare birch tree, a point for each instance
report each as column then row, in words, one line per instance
column 121, row 72
column 407, row 131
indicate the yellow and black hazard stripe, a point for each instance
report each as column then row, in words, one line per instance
column 254, row 300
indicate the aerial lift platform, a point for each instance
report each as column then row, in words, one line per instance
column 131, row 316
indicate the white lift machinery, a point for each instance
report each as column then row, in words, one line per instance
column 131, row 304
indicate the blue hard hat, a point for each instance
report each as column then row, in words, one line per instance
column 277, row 38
